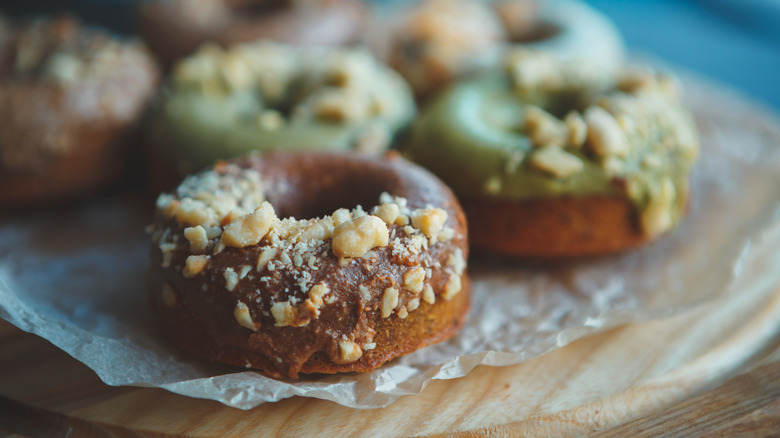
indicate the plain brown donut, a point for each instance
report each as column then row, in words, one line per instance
column 554, row 227
column 198, row 312
column 176, row 28
column 69, row 98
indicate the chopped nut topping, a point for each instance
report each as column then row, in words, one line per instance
column 403, row 313
column 387, row 212
column 578, row 129
column 194, row 265
column 250, row 229
column 557, row 162
column 413, row 304
column 544, row 129
column 267, row 255
column 389, row 301
column 429, row 220
column 364, row 293
column 457, row 261
column 320, row 230
column 243, row 317
column 428, row 295
column 231, row 279
column 197, row 238
column 340, row 216
column 604, row 134
column 356, row 237
column 316, row 293
column 414, row 278
column 451, row 288
column 284, row 313
column 350, row 351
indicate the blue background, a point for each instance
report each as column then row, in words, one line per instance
column 736, row 42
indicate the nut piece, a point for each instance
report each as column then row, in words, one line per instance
column 557, row 162
column 250, row 229
column 413, row 279
column 266, row 256
column 284, row 313
column 456, row 261
column 544, row 129
column 194, row 265
column 316, row 293
column 358, row 236
column 578, row 130
column 389, row 301
column 413, row 304
column 349, row 351
column 387, row 212
column 241, row 313
column 231, row 279
column 452, row 287
column 604, row 134
column 429, row 220
column 428, row 295
column 197, row 238
column 320, row 230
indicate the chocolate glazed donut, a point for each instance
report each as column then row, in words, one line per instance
column 347, row 291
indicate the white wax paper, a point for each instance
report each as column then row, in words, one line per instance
column 76, row 276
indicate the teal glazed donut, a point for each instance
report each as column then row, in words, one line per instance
column 434, row 43
column 262, row 96
column 547, row 130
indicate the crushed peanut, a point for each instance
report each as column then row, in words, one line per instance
column 605, row 137
column 194, row 265
column 389, row 301
column 557, row 162
column 349, row 351
column 197, row 238
column 243, row 317
column 452, row 287
column 231, row 279
column 356, row 237
column 429, row 220
column 428, row 295
column 414, row 278
column 248, row 230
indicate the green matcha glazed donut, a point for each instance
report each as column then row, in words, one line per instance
column 261, row 96
column 553, row 158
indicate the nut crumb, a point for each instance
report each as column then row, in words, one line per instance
column 356, row 237
column 349, row 351
column 389, row 301
column 428, row 295
column 194, row 265
column 243, row 317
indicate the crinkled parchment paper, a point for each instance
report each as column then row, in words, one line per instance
column 76, row 277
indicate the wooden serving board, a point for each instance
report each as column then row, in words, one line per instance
column 603, row 381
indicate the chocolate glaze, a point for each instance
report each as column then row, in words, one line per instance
column 304, row 186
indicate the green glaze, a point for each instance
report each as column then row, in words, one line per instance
column 473, row 137
column 201, row 120
column 469, row 138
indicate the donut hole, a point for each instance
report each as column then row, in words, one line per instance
column 541, row 31
column 317, row 188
